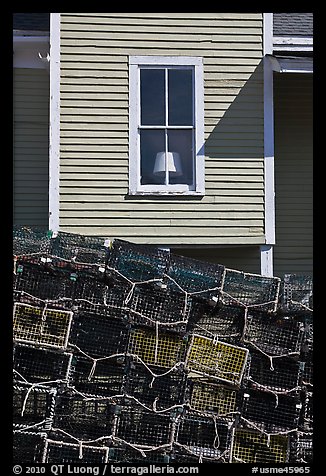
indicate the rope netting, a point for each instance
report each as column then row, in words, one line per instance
column 129, row 353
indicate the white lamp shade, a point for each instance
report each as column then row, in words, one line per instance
column 172, row 161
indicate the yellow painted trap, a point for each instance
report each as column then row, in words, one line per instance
column 216, row 359
column 38, row 325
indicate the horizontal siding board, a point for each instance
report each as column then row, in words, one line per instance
column 293, row 174
column 94, row 126
column 31, row 146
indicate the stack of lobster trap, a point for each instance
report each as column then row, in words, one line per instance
column 129, row 353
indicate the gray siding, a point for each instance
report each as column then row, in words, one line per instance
column 94, row 127
column 293, row 174
column 31, row 147
column 242, row 258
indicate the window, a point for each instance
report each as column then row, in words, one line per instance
column 166, row 125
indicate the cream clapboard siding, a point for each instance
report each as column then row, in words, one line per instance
column 31, row 146
column 293, row 174
column 94, row 127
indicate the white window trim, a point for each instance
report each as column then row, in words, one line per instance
column 134, row 107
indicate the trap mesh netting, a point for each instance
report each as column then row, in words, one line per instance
column 128, row 353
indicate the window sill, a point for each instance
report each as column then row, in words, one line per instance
column 172, row 193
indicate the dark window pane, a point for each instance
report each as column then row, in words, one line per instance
column 180, row 94
column 180, row 142
column 152, row 97
column 151, row 143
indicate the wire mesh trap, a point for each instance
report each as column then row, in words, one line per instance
column 307, row 412
column 141, row 427
column 99, row 293
column 85, row 420
column 216, row 359
column 162, row 392
column 224, row 323
column 273, row 335
column 270, row 412
column 41, row 325
column 209, row 397
column 301, row 448
column 156, row 348
column 103, row 378
column 194, row 276
column 247, row 289
column 33, row 407
column 61, row 452
column 138, row 262
column 307, row 370
column 28, row 446
column 296, row 294
column 42, row 283
column 204, row 436
column 130, row 354
column 255, row 447
column 283, row 376
column 98, row 336
column 150, row 305
column 37, row 365
column 79, row 248
column 31, row 243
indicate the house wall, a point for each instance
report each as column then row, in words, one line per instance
column 31, row 146
column 293, row 252
column 94, row 127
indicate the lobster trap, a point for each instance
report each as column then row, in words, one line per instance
column 99, row 336
column 224, row 323
column 213, row 398
column 275, row 336
column 86, row 420
column 37, row 365
column 164, row 390
column 81, row 249
column 283, row 376
column 270, row 412
column 63, row 452
column 192, row 276
column 33, row 407
column 296, row 294
column 256, row 447
column 138, row 263
column 156, row 348
column 99, row 293
column 28, row 446
column 102, row 378
column 140, row 427
column 204, row 436
column 245, row 289
column 42, row 283
column 307, row 370
column 307, row 412
column 301, row 448
column 31, row 243
column 209, row 357
column 41, row 325
column 150, row 305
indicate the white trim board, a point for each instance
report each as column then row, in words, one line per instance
column 54, row 133
column 266, row 255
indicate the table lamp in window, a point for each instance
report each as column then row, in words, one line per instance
column 171, row 160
